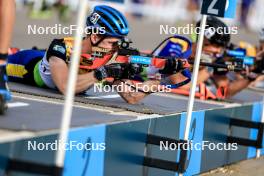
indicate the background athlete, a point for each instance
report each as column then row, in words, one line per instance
column 260, row 57
column 218, row 80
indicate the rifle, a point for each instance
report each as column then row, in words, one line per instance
column 239, row 55
column 136, row 59
column 235, row 65
column 234, row 60
column 226, row 65
column 182, row 49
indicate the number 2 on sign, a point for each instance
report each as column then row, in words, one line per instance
column 211, row 9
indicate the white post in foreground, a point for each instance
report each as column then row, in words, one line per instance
column 262, row 120
column 70, row 92
column 194, row 78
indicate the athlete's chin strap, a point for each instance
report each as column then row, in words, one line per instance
column 98, row 42
column 96, row 48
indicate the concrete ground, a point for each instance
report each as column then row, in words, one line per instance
column 253, row 167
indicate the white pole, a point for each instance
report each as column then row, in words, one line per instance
column 262, row 120
column 194, row 78
column 126, row 2
column 70, row 92
column 126, row 6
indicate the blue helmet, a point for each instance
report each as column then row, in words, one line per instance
column 112, row 20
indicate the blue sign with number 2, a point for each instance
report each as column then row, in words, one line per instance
column 220, row 8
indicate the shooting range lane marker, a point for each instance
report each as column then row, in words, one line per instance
column 194, row 80
column 207, row 9
column 70, row 91
column 17, row 104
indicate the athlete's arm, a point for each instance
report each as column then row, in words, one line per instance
column 135, row 96
column 233, row 87
column 259, row 79
column 59, row 73
column 7, row 18
column 237, row 86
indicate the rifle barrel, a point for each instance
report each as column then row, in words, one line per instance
column 215, row 65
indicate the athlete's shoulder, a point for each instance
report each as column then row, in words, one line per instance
column 57, row 48
column 68, row 39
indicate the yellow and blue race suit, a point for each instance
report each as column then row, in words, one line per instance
column 32, row 66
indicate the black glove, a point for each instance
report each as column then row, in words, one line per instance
column 172, row 66
column 118, row 71
column 259, row 66
column 115, row 70
column 133, row 70
column 3, row 56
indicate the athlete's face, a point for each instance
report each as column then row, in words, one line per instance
column 212, row 49
column 109, row 43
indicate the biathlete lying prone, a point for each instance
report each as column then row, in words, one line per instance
column 50, row 68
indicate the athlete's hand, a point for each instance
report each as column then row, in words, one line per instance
column 259, row 66
column 114, row 70
column 260, row 54
column 173, row 66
